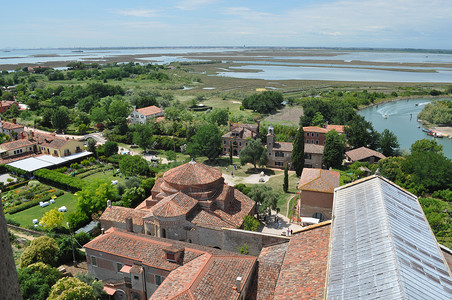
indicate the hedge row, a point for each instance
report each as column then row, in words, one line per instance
column 86, row 174
column 59, row 180
column 15, row 186
column 32, row 203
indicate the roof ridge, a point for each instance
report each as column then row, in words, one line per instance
column 314, row 226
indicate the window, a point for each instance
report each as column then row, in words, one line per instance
column 224, row 142
column 317, row 134
column 93, row 261
column 307, row 156
column 278, row 163
column 135, row 277
column 55, row 152
column 312, row 141
column 119, row 267
column 224, row 149
column 317, row 142
column 279, row 154
column 240, row 144
column 307, row 141
column 158, row 279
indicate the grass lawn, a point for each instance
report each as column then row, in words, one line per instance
column 26, row 217
column 108, row 176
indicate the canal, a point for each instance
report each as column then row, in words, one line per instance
column 401, row 118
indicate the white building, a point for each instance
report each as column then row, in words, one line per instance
column 141, row 115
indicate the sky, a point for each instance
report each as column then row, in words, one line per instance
column 282, row 23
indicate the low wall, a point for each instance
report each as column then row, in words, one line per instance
column 235, row 238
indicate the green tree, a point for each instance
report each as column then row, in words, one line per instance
column 91, row 145
column 93, row 197
column 36, row 280
column 334, row 149
column 230, row 153
column 142, row 135
column 286, row 179
column 360, row 133
column 110, row 148
column 46, row 117
column 264, row 196
column 298, row 152
column 43, row 249
column 318, row 119
column 52, row 219
column 253, row 153
column 206, row 142
column 264, row 103
column 133, row 196
column 388, row 143
column 219, row 116
column 60, row 119
column 426, row 145
column 133, row 165
column 71, row 288
column 98, row 286
column 250, row 223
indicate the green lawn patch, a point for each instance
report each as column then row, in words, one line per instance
column 25, row 218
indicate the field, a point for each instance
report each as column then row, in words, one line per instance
column 26, row 217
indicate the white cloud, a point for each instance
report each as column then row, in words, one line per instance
column 144, row 13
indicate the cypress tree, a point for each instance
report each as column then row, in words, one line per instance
column 298, row 152
column 230, row 152
column 286, row 179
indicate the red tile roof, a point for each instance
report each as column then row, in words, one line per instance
column 303, row 273
column 338, row 128
column 283, row 146
column 319, row 180
column 362, row 153
column 178, row 204
column 120, row 214
column 313, row 148
column 243, row 133
column 315, row 129
column 192, row 173
column 207, row 277
column 17, row 144
column 10, row 126
column 150, row 110
column 49, row 140
column 269, row 266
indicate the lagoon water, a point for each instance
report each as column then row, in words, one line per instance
column 402, row 120
column 268, row 67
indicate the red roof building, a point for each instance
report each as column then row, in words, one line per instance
column 316, row 135
column 363, row 154
column 191, row 203
column 137, row 266
column 316, row 188
column 142, row 115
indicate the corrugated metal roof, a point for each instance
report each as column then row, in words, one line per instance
column 382, row 247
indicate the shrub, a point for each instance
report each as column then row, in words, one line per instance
column 75, row 166
column 77, row 219
column 59, row 180
column 84, row 162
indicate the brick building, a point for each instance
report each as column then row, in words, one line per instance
column 316, row 188
column 238, row 136
column 316, row 135
column 5, row 105
column 11, row 128
column 189, row 203
column 139, row 267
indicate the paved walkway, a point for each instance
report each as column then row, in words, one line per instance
column 281, row 227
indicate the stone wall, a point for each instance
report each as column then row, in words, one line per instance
column 235, row 238
column 316, row 202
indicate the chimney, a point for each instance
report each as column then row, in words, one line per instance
column 129, row 224
column 239, row 283
column 108, row 203
column 14, row 120
column 175, row 254
column 102, row 230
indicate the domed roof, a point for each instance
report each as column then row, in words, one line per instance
column 192, row 173
column 178, row 204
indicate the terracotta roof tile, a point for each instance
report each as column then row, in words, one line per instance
column 178, row 204
column 17, row 144
column 303, row 273
column 338, row 128
column 362, row 153
column 150, row 110
column 120, row 214
column 319, row 180
column 283, row 146
column 10, row 126
column 269, row 266
column 315, row 129
column 242, row 133
column 192, row 173
column 313, row 148
column 51, row 141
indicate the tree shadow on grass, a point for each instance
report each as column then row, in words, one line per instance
column 266, row 171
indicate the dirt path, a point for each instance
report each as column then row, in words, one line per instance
column 22, row 235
